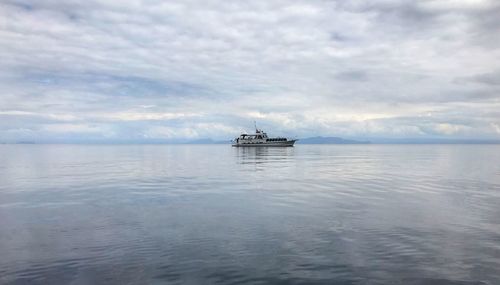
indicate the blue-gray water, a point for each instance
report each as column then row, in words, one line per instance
column 195, row 214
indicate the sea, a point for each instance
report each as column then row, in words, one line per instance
column 213, row 214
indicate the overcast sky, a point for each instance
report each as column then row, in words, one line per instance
column 142, row 70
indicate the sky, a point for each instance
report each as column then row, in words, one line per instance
column 144, row 70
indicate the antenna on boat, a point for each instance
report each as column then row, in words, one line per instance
column 255, row 124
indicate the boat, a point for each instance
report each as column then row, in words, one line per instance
column 260, row 139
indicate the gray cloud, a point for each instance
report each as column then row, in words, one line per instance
column 492, row 78
column 357, row 75
column 104, row 69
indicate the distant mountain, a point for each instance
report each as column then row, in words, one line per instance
column 329, row 140
column 311, row 140
column 432, row 141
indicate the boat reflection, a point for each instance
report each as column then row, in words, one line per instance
column 261, row 155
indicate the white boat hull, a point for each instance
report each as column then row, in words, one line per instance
column 288, row 143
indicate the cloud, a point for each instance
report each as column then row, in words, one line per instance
column 491, row 78
column 358, row 75
column 135, row 69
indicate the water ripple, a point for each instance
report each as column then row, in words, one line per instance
column 215, row 214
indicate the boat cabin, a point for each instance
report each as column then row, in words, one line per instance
column 259, row 136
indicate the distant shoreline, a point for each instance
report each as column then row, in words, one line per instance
column 227, row 143
column 301, row 141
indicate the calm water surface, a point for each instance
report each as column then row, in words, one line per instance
column 194, row 214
